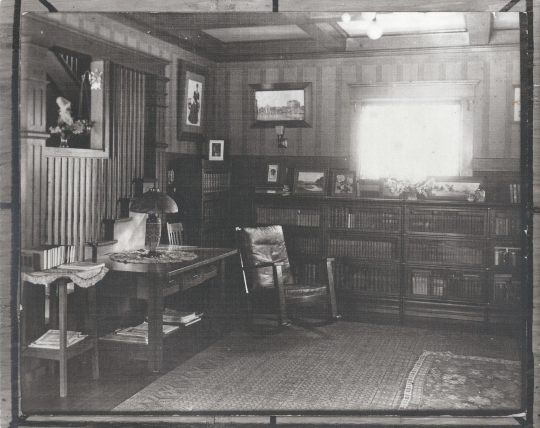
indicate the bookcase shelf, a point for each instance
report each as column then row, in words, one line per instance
column 201, row 189
column 411, row 259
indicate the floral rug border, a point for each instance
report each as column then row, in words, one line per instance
column 407, row 395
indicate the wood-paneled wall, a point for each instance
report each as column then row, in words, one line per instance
column 66, row 193
column 496, row 136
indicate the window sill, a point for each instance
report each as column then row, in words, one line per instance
column 75, row 153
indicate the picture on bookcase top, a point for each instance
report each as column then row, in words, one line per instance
column 310, row 182
column 343, row 183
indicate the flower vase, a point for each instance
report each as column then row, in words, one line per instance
column 64, row 143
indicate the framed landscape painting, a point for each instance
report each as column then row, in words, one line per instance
column 310, row 182
column 287, row 104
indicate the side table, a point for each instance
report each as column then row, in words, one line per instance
column 61, row 277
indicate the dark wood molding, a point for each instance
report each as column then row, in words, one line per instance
column 46, row 32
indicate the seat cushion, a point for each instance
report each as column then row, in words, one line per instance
column 304, row 290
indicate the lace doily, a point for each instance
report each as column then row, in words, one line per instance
column 83, row 278
column 163, row 256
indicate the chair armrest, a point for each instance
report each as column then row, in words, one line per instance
column 264, row 265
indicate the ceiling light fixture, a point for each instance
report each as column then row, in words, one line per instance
column 346, row 17
column 374, row 31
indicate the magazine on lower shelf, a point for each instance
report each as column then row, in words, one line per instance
column 137, row 334
column 51, row 339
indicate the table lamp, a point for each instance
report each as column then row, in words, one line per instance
column 153, row 202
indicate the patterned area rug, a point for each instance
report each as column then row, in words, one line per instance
column 442, row 380
column 342, row 366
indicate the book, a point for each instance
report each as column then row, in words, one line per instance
column 51, row 339
column 81, row 266
column 177, row 317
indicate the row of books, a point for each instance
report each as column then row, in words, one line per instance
column 515, row 193
column 363, row 220
column 213, row 209
column 361, row 248
column 506, row 288
column 442, row 252
column 504, row 256
column 51, row 339
column 465, row 287
column 305, row 244
column 288, row 216
column 46, row 256
column 446, row 222
column 373, row 280
column 216, row 182
column 306, row 272
column 507, row 225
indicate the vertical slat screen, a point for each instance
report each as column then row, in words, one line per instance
column 127, row 135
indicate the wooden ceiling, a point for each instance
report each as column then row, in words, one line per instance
column 249, row 36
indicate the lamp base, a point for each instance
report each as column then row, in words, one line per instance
column 153, row 234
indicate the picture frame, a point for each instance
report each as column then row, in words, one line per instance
column 343, row 183
column 457, row 189
column 272, row 173
column 310, row 182
column 191, row 106
column 216, row 150
column 281, row 104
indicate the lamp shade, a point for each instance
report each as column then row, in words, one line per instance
column 154, row 202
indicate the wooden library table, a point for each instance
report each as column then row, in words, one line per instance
column 151, row 281
column 60, row 278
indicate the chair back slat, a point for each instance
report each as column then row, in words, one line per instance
column 175, row 233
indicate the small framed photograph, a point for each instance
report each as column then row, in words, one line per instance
column 310, row 182
column 216, row 149
column 272, row 173
column 343, row 184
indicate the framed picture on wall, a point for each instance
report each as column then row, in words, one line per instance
column 281, row 104
column 343, row 183
column 191, row 102
column 216, row 149
column 272, row 175
column 310, row 182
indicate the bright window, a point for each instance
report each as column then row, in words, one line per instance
column 409, row 140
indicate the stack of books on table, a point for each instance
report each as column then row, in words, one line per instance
column 137, row 334
column 170, row 316
column 274, row 189
column 51, row 339
column 46, row 256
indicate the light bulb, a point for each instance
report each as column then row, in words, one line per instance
column 346, row 17
column 368, row 16
column 374, row 31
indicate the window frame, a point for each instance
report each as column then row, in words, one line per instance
column 462, row 91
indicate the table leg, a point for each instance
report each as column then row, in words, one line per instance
column 91, row 330
column 155, row 325
column 53, row 306
column 62, row 317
